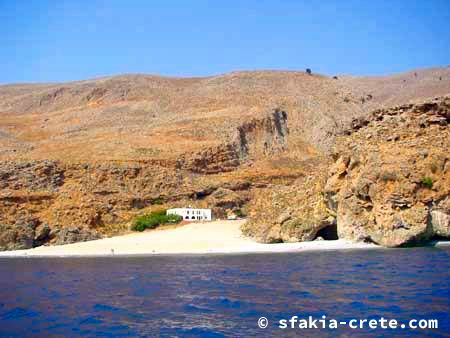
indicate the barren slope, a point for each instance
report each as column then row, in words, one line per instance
column 147, row 117
column 82, row 158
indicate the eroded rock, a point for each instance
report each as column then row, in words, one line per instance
column 440, row 218
column 75, row 234
column 389, row 197
column 16, row 237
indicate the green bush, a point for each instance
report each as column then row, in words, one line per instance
column 154, row 219
column 172, row 218
column 138, row 227
column 239, row 213
column 427, row 182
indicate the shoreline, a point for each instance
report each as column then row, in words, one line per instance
column 278, row 248
column 208, row 238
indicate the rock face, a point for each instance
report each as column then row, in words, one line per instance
column 256, row 138
column 292, row 213
column 24, row 235
column 31, row 175
column 263, row 137
column 391, row 181
column 223, row 200
column 16, row 237
column 388, row 182
column 74, row 234
column 99, row 199
column 440, row 218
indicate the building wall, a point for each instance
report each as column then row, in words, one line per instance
column 192, row 214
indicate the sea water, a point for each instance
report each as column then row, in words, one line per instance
column 224, row 295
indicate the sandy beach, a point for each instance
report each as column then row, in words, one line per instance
column 193, row 238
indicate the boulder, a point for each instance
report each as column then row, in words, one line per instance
column 224, row 198
column 440, row 218
column 41, row 235
column 290, row 214
column 75, row 234
column 441, row 223
column 16, row 237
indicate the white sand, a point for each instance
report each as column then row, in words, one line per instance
column 193, row 238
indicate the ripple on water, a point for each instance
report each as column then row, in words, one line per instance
column 19, row 312
column 222, row 296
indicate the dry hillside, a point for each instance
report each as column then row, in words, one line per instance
column 80, row 159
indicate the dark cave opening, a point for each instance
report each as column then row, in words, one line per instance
column 436, row 239
column 329, row 233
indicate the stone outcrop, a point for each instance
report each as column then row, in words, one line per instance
column 440, row 218
column 74, row 234
column 16, row 237
column 27, row 235
column 223, row 200
column 390, row 183
column 49, row 202
column 256, row 138
column 292, row 213
column 31, row 175
column 263, row 137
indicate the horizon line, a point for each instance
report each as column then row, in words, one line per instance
column 110, row 76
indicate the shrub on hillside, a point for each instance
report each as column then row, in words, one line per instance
column 427, row 182
column 239, row 213
column 174, row 219
column 154, row 219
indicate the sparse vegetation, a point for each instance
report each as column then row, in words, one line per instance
column 147, row 151
column 308, row 71
column 427, row 182
column 239, row 213
column 154, row 219
column 157, row 201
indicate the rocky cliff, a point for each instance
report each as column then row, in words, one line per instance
column 387, row 182
column 390, row 183
column 80, row 160
column 254, row 139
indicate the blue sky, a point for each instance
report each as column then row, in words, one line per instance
column 48, row 41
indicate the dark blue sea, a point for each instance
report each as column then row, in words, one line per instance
column 223, row 296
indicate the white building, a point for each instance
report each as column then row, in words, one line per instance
column 192, row 214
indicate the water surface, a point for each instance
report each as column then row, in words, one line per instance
column 221, row 296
